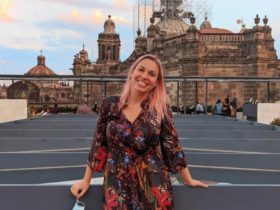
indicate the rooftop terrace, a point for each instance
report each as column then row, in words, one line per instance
column 38, row 155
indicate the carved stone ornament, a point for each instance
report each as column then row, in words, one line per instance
column 265, row 20
column 257, row 19
column 192, row 19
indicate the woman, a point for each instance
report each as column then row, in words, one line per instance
column 136, row 144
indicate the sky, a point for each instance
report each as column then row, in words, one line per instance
column 60, row 28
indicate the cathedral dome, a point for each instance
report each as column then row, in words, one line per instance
column 205, row 24
column 109, row 26
column 173, row 27
column 41, row 69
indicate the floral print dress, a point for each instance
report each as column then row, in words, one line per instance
column 136, row 158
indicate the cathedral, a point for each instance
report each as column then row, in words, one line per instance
column 39, row 92
column 187, row 50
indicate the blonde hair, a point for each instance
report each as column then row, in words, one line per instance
column 159, row 100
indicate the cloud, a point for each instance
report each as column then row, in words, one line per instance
column 121, row 5
column 60, row 34
column 80, row 3
column 29, row 43
column 23, row 40
column 40, row 38
column 98, row 4
column 96, row 18
column 4, row 12
column 4, row 18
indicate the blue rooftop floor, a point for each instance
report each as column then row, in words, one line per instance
column 54, row 149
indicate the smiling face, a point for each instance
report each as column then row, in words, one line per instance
column 144, row 77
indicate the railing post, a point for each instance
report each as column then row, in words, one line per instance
column 81, row 91
column 178, row 86
column 185, row 96
column 87, row 91
column 268, row 91
column 101, row 90
column 206, row 95
column 196, row 97
column 105, row 89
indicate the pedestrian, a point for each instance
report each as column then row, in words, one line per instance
column 234, row 105
column 95, row 108
column 136, row 144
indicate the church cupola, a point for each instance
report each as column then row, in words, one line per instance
column 41, row 60
column 205, row 24
column 109, row 43
column 109, row 26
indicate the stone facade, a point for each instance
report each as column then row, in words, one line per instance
column 186, row 50
column 3, row 91
column 107, row 63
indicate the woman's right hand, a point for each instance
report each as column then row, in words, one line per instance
column 79, row 188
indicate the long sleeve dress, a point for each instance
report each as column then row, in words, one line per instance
column 136, row 158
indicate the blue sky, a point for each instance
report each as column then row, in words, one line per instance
column 61, row 27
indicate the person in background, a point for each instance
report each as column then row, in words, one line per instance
column 32, row 111
column 45, row 111
column 54, row 110
column 95, row 108
column 136, row 144
column 199, row 108
column 234, row 105
column 181, row 109
column 226, row 107
column 218, row 107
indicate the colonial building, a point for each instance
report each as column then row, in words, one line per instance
column 41, row 91
column 3, row 91
column 107, row 63
column 188, row 50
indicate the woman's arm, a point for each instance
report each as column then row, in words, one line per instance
column 98, row 153
column 79, row 188
column 188, row 180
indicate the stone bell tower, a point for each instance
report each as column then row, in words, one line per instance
column 109, row 44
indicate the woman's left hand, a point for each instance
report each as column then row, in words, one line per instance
column 188, row 180
column 196, row 183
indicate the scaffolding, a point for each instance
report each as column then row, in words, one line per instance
column 143, row 11
column 200, row 9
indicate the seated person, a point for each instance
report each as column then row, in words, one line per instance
column 54, row 110
column 199, row 108
column 218, row 107
column 226, row 108
column 181, row 109
column 45, row 111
